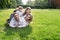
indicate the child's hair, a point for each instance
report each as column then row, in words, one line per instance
column 26, row 10
column 20, row 7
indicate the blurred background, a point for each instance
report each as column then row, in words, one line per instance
column 45, row 24
column 37, row 4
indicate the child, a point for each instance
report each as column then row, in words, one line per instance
column 27, row 14
column 20, row 11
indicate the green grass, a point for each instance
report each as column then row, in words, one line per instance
column 45, row 26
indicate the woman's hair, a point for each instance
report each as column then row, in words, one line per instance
column 26, row 10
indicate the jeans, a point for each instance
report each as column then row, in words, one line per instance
column 11, row 16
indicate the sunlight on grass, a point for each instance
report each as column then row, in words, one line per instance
column 45, row 26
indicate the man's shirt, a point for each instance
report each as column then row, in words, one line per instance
column 21, row 23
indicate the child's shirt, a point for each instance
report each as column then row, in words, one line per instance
column 19, row 13
column 22, row 22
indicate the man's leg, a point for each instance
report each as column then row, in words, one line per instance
column 8, row 20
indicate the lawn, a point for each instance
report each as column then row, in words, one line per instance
column 45, row 26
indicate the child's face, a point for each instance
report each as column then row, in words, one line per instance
column 27, row 17
column 28, row 11
column 20, row 9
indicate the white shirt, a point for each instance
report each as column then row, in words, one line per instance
column 22, row 22
column 20, row 13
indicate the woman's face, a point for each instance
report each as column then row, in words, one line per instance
column 28, row 11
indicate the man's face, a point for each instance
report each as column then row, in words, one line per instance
column 16, row 16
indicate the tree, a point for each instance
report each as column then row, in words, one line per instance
column 37, row 3
column 3, row 3
column 19, row 2
column 30, row 3
column 7, row 3
column 41, row 3
column 13, row 3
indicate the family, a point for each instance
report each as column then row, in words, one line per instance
column 20, row 17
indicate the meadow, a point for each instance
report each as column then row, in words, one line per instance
column 45, row 26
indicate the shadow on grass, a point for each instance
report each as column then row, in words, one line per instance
column 22, row 32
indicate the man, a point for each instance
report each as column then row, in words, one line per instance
column 18, row 21
column 18, row 10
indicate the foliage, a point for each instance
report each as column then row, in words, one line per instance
column 30, row 3
column 19, row 2
column 9, row 3
column 41, row 3
column 3, row 3
column 35, row 4
column 13, row 3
